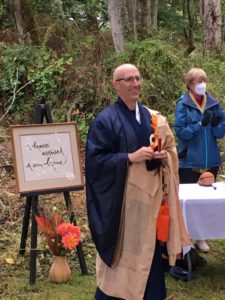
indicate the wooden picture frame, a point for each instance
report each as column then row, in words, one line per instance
column 46, row 156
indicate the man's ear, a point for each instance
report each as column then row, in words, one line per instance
column 115, row 84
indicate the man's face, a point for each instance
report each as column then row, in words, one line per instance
column 128, row 84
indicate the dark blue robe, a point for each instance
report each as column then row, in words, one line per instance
column 114, row 133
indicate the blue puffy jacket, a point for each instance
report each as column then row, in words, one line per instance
column 197, row 145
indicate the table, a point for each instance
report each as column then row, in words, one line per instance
column 203, row 210
column 204, row 213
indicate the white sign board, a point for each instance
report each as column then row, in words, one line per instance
column 46, row 156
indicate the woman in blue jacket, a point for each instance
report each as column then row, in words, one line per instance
column 199, row 122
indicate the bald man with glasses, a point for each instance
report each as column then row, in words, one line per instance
column 126, row 180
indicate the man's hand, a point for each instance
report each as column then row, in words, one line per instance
column 162, row 154
column 141, row 154
column 146, row 153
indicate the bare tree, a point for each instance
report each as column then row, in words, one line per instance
column 212, row 25
column 115, row 9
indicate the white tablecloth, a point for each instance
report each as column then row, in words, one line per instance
column 203, row 210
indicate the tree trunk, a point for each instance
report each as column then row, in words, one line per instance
column 154, row 10
column 16, row 11
column 115, row 9
column 212, row 25
column 147, row 10
column 149, row 14
column 201, row 9
column 134, row 15
column 223, row 28
column 191, row 46
column 131, row 6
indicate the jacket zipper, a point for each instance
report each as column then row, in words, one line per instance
column 206, row 149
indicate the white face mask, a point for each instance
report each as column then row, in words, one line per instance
column 200, row 89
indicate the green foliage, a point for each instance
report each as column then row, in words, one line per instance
column 21, row 65
column 53, row 8
column 82, row 78
column 85, row 11
column 73, row 64
column 160, row 65
column 78, row 11
column 46, row 75
column 5, row 21
column 171, row 17
column 223, row 7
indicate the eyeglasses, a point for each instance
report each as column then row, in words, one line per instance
column 131, row 79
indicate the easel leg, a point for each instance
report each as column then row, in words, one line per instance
column 81, row 258
column 80, row 252
column 33, row 251
column 26, row 219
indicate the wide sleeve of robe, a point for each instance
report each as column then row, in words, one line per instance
column 106, row 171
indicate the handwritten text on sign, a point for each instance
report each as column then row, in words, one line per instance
column 47, row 156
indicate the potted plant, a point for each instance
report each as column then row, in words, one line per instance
column 61, row 237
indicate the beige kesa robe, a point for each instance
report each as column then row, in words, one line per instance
column 143, row 195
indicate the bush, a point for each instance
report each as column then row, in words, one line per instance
column 31, row 74
column 81, row 79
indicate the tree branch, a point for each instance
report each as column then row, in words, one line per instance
column 15, row 92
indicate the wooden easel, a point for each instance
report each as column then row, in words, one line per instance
column 31, row 209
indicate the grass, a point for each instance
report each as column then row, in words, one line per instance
column 15, row 279
column 210, row 284
column 14, row 284
column 79, row 288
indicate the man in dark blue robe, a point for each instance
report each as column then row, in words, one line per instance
column 118, row 138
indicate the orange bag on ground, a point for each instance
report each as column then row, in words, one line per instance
column 163, row 222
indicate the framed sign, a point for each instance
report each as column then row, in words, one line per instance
column 46, row 156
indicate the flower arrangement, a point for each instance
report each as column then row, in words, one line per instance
column 60, row 236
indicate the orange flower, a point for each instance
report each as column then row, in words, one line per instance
column 65, row 228
column 59, row 236
column 70, row 240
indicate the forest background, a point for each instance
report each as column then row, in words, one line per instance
column 63, row 52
